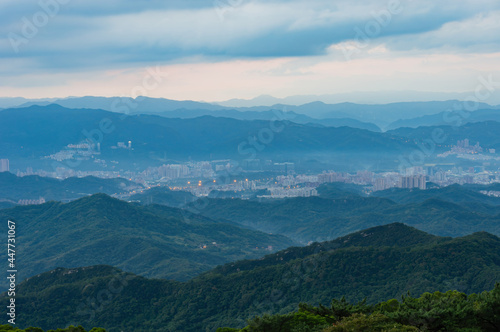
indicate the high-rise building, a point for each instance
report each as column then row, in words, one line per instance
column 4, row 165
column 415, row 181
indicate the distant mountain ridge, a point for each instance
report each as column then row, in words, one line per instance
column 271, row 115
column 163, row 196
column 34, row 186
column 381, row 115
column 486, row 133
column 448, row 118
column 23, row 134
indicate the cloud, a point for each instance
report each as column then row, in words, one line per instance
column 284, row 45
column 476, row 34
column 93, row 34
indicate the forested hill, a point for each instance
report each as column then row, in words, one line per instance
column 23, row 134
column 319, row 219
column 379, row 264
column 154, row 241
column 454, row 193
column 33, row 187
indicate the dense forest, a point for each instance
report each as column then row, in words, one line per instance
column 433, row 312
column 375, row 264
column 450, row 311
column 154, row 241
column 336, row 213
column 14, row 188
column 37, row 329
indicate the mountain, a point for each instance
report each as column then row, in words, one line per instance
column 486, row 133
column 127, row 105
column 376, row 263
column 262, row 100
column 381, row 114
column 335, row 190
column 155, row 139
column 154, row 241
column 7, row 102
column 360, row 97
column 270, row 115
column 163, row 196
column 445, row 118
column 455, row 193
column 437, row 311
column 4, row 204
column 30, row 187
column 306, row 219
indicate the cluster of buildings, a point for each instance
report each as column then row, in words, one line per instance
column 464, row 150
column 39, row 201
column 465, row 147
column 492, row 193
column 82, row 151
column 122, row 145
column 287, row 192
column 203, row 169
column 203, row 177
column 416, row 177
column 85, row 150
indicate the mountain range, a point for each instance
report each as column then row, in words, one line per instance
column 153, row 240
column 156, row 139
column 306, row 219
column 377, row 264
column 14, row 188
column 365, row 116
column 485, row 133
column 161, row 241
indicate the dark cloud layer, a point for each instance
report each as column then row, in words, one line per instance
column 106, row 34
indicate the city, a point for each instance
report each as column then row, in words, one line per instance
column 267, row 179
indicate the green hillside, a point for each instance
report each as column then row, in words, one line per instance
column 34, row 186
column 358, row 268
column 163, row 196
column 307, row 219
column 154, row 241
column 450, row 311
column 454, row 193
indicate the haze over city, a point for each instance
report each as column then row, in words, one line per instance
column 250, row 165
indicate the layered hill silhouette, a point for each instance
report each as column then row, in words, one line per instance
column 308, row 219
column 377, row 264
column 445, row 118
column 33, row 187
column 469, row 196
column 486, row 133
column 164, row 196
column 154, row 241
column 23, row 134
column 380, row 114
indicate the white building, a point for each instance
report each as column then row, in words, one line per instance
column 4, row 165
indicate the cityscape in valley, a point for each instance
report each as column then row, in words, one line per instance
column 201, row 178
column 250, row 166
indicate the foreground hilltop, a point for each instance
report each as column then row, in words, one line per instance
column 378, row 263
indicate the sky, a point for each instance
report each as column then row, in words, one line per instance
column 224, row 49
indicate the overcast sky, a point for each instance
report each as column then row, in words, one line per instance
column 223, row 49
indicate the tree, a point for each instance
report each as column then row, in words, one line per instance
column 338, row 309
column 486, row 309
column 369, row 323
